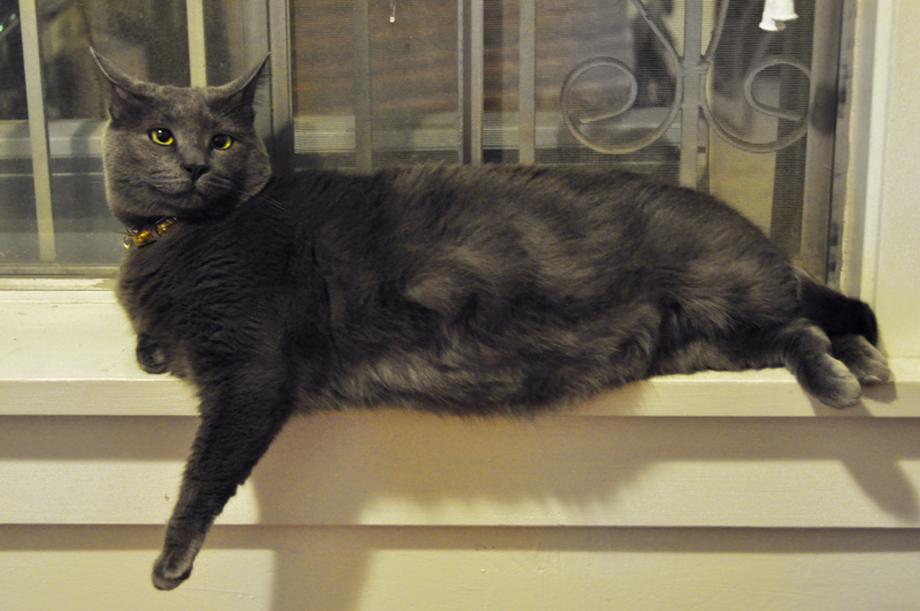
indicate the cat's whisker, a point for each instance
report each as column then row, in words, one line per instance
column 259, row 197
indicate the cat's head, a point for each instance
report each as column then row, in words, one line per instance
column 179, row 151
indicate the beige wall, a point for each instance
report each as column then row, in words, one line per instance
column 406, row 511
column 461, row 569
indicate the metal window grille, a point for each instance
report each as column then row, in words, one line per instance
column 473, row 132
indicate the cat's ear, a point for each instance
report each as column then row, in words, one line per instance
column 236, row 97
column 126, row 95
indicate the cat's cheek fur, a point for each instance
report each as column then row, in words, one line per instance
column 257, row 159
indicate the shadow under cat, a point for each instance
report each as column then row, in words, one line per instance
column 416, row 471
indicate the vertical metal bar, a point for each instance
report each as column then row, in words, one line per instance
column 477, row 69
column 786, row 209
column 255, row 35
column 819, row 146
column 462, row 93
column 693, row 92
column 842, row 139
column 463, row 59
column 472, row 69
column 463, row 78
column 364, row 135
column 38, row 129
column 197, row 52
column 527, row 50
column 279, row 31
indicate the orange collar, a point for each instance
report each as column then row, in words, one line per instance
column 142, row 236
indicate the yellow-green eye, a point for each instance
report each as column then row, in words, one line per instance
column 221, row 142
column 161, row 136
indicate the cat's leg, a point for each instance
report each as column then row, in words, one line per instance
column 704, row 354
column 806, row 352
column 799, row 345
column 149, row 355
column 866, row 362
column 237, row 427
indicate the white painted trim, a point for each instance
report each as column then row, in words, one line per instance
column 400, row 469
column 890, row 258
column 868, row 147
column 456, row 569
column 770, row 393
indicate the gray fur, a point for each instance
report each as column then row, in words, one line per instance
column 469, row 291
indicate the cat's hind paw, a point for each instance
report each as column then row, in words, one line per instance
column 830, row 382
column 866, row 362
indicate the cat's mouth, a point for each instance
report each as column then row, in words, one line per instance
column 199, row 190
column 188, row 196
column 174, row 189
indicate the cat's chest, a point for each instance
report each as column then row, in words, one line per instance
column 165, row 295
column 180, row 313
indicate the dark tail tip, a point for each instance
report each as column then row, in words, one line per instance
column 836, row 313
column 869, row 324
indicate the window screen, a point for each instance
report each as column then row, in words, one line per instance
column 693, row 92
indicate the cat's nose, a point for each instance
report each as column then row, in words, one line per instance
column 196, row 170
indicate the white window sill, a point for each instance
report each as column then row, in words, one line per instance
column 71, row 353
column 782, row 464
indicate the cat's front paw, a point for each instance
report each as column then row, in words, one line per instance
column 170, row 570
column 150, row 356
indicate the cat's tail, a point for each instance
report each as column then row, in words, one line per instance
column 834, row 312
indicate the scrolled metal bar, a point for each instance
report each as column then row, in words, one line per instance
column 772, row 111
column 763, row 147
column 620, row 148
column 753, row 147
column 600, row 62
column 701, row 71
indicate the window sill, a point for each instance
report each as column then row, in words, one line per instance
column 72, row 354
column 752, row 451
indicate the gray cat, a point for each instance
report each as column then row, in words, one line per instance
column 461, row 290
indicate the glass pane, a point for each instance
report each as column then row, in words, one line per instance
column 586, row 50
column 756, row 76
column 146, row 38
column 225, row 35
column 605, row 86
column 13, row 91
column 323, row 82
column 413, row 81
column 501, row 63
column 18, row 227
column 414, row 84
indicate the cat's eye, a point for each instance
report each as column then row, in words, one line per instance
column 161, row 136
column 221, row 142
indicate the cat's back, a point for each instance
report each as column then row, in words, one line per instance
column 503, row 227
column 431, row 208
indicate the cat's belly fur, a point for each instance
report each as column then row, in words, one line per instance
column 458, row 372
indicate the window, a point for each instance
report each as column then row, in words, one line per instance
column 360, row 84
